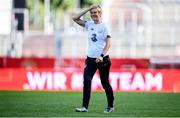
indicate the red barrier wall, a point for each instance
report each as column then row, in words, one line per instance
column 71, row 79
column 7, row 62
column 68, row 62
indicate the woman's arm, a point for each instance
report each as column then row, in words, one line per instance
column 106, row 48
column 76, row 17
column 107, row 45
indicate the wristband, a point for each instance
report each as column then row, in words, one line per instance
column 102, row 55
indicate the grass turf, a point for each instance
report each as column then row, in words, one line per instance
column 62, row 104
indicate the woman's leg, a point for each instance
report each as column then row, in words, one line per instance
column 104, row 69
column 89, row 71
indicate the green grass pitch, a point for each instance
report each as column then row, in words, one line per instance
column 62, row 104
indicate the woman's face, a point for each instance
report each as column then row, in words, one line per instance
column 95, row 14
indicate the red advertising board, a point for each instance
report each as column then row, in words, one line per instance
column 71, row 79
column 32, row 62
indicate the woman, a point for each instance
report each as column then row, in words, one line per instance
column 99, row 40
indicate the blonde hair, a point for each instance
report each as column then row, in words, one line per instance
column 99, row 9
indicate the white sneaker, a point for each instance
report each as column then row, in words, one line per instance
column 81, row 109
column 108, row 109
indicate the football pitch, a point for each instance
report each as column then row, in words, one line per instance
column 62, row 104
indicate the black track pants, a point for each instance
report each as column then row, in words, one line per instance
column 90, row 68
